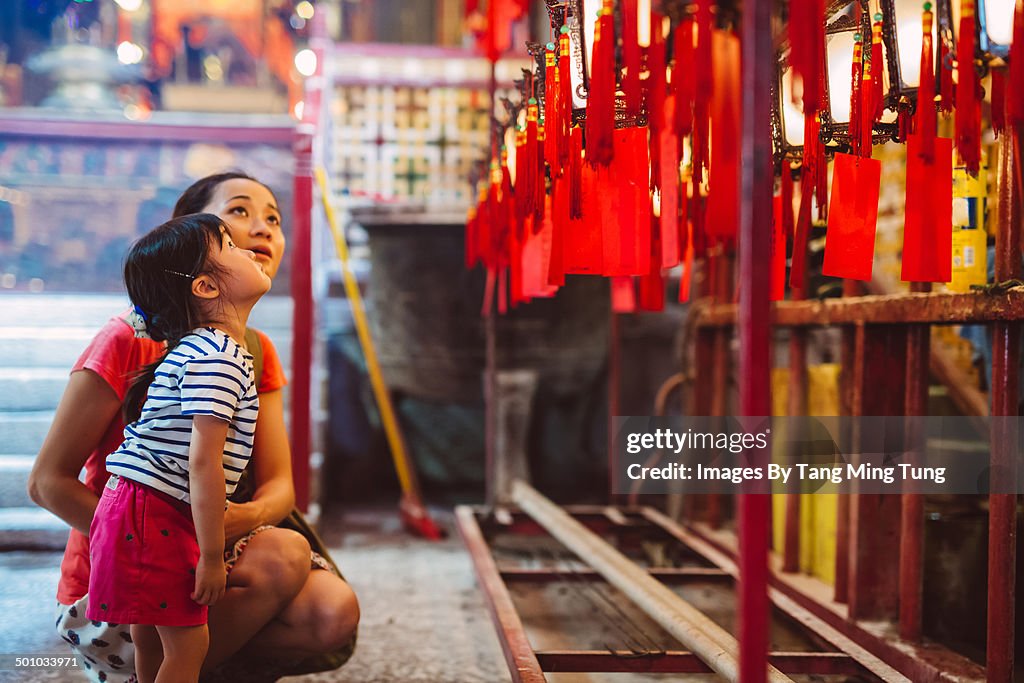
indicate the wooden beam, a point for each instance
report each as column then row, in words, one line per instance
column 678, row 662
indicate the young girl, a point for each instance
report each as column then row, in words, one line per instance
column 157, row 538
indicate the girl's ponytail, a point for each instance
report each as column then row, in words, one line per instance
column 158, row 273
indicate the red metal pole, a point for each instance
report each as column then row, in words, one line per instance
column 912, row 510
column 758, row 66
column 850, row 406
column 1002, row 515
column 302, row 315
column 796, row 406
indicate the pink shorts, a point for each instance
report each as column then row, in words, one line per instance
column 143, row 552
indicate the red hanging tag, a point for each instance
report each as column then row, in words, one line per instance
column 798, row 270
column 1015, row 89
column 623, row 295
column 631, row 56
column 998, row 101
column 968, row 106
column 668, row 173
column 584, row 250
column 651, row 295
column 601, row 96
column 924, row 119
column 928, row 230
column 777, row 253
column 515, row 269
column 551, row 104
column 536, row 260
column 853, row 214
column 470, row 254
column 683, row 78
column 698, row 207
column 626, row 228
column 706, row 81
column 723, row 192
column 556, row 264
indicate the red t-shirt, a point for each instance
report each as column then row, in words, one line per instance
column 116, row 355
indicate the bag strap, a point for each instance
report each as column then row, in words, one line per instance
column 255, row 348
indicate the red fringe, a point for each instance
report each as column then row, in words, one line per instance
column 508, row 198
column 655, row 99
column 945, row 78
column 601, row 98
column 968, row 114
column 683, row 78
column 564, row 112
column 576, row 173
column 551, row 104
column 998, row 101
column 867, row 108
column 631, row 56
column 526, row 177
column 1015, row 88
column 807, row 57
column 924, row 119
column 470, row 255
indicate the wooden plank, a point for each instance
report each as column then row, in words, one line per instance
column 679, row 662
column 672, row 575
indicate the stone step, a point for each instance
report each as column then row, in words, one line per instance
column 31, row 528
column 28, row 346
column 14, row 471
column 60, row 310
column 31, row 388
column 23, row 432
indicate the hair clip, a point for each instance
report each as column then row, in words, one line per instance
column 138, row 319
column 184, row 275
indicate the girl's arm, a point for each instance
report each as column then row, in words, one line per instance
column 274, row 496
column 206, row 489
column 83, row 416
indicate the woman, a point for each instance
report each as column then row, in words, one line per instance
column 276, row 606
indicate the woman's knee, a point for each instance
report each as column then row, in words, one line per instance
column 275, row 560
column 335, row 612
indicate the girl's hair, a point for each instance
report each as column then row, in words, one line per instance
column 158, row 273
column 196, row 198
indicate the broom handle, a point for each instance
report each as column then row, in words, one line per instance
column 406, row 476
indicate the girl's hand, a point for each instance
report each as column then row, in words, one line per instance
column 210, row 580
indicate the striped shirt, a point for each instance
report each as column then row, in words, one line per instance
column 207, row 373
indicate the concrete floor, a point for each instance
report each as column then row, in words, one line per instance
column 423, row 619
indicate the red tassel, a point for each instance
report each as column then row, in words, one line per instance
column 726, row 105
column 924, row 119
column 856, row 75
column 945, row 78
column 526, row 178
column 998, row 101
column 1015, row 96
column 631, row 57
column 867, row 108
column 508, row 198
column 470, row 256
column 877, row 69
column 807, row 57
column 564, row 112
column 540, row 188
column 655, row 99
column 683, row 78
column 576, row 173
column 601, row 97
column 968, row 124
column 704, row 88
column 519, row 188
column 787, row 199
column 552, row 95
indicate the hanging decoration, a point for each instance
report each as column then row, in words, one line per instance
column 853, row 214
column 968, row 102
column 601, row 96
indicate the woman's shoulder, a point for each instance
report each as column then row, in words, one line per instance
column 114, row 353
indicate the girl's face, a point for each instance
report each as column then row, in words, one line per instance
column 240, row 276
column 251, row 214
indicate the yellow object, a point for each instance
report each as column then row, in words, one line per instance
column 380, row 391
column 817, row 511
column 970, row 260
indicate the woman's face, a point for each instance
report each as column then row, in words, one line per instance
column 250, row 212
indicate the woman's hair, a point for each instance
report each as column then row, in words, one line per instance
column 158, row 273
column 198, row 195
